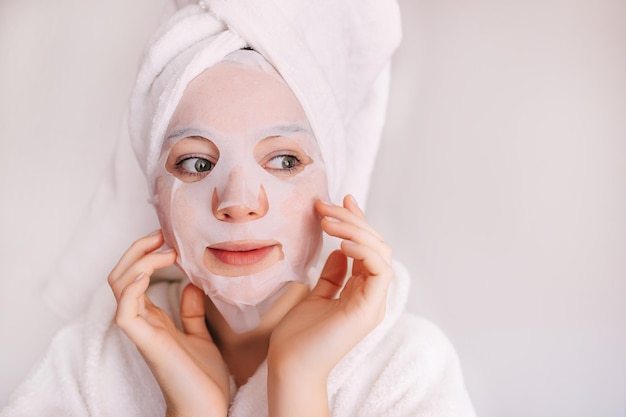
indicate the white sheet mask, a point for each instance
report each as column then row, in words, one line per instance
column 247, row 227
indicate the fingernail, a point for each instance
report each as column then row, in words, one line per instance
column 156, row 232
column 139, row 276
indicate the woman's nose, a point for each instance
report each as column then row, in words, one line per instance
column 237, row 203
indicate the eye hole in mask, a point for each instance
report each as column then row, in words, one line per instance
column 191, row 159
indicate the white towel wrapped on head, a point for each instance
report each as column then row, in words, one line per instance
column 333, row 55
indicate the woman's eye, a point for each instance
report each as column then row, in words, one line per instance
column 284, row 163
column 195, row 165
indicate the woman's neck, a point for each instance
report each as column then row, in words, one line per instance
column 244, row 352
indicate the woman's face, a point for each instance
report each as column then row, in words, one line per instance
column 239, row 172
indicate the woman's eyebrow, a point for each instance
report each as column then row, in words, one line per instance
column 283, row 129
column 188, row 132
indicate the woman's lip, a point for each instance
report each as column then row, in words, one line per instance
column 243, row 245
column 241, row 258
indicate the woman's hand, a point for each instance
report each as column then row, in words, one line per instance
column 187, row 365
column 319, row 331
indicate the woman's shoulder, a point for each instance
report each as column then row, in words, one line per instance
column 421, row 332
column 91, row 364
column 408, row 329
column 416, row 373
column 418, row 343
column 408, row 367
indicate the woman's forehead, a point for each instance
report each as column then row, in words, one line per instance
column 231, row 96
column 232, row 102
column 230, row 77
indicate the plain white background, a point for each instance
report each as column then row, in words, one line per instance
column 501, row 182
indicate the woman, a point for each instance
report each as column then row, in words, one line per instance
column 237, row 126
column 242, row 151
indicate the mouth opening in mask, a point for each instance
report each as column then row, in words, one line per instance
column 236, row 258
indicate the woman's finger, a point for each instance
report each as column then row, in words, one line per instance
column 332, row 276
column 371, row 260
column 366, row 290
column 147, row 264
column 140, row 248
column 128, row 316
column 350, row 203
column 343, row 214
column 192, row 312
column 349, row 231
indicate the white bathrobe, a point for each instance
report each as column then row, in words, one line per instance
column 405, row 367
